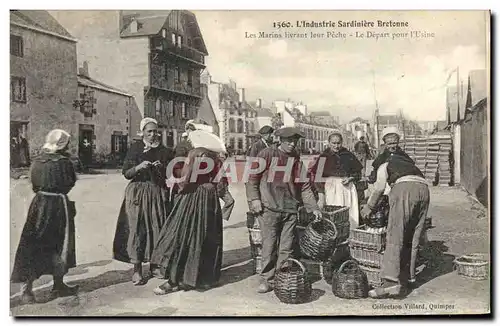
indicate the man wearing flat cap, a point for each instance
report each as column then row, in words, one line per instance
column 275, row 194
column 409, row 202
column 266, row 139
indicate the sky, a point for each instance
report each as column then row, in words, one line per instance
column 345, row 76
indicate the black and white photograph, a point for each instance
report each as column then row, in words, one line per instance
column 245, row 163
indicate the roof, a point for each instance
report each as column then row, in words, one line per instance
column 151, row 22
column 39, row 20
column 320, row 114
column 477, row 88
column 358, row 119
column 89, row 82
column 264, row 112
column 452, row 103
column 148, row 26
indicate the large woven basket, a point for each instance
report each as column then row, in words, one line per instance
column 292, row 284
column 367, row 257
column 336, row 214
column 318, row 240
column 343, row 231
column 350, row 282
column 255, row 236
column 373, row 275
column 473, row 266
column 340, row 255
column 363, row 237
column 252, row 221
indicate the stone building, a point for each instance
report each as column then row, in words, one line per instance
column 154, row 55
column 104, row 122
column 43, row 79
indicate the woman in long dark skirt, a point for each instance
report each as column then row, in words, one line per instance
column 47, row 244
column 146, row 202
column 189, row 250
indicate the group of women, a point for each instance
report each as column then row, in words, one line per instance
column 180, row 236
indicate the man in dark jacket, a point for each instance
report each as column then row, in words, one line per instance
column 362, row 152
column 409, row 202
column 266, row 138
column 275, row 194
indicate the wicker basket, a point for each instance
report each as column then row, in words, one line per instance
column 350, row 282
column 292, row 284
column 314, row 270
column 255, row 236
column 319, row 240
column 473, row 266
column 340, row 255
column 367, row 257
column 363, row 238
column 252, row 221
column 373, row 275
column 343, row 231
column 336, row 214
column 304, row 218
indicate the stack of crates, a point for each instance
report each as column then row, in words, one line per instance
column 366, row 246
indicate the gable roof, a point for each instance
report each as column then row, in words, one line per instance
column 264, row 112
column 358, row 119
column 477, row 88
column 149, row 25
column 89, row 82
column 39, row 20
column 151, row 22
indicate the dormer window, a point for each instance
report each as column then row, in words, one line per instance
column 174, row 38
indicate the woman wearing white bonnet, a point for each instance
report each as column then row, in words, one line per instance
column 47, row 244
column 146, row 202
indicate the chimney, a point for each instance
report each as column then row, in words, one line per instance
column 133, row 26
column 241, row 91
column 259, row 103
column 84, row 71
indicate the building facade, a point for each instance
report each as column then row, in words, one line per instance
column 103, row 121
column 315, row 129
column 155, row 56
column 43, row 81
column 236, row 117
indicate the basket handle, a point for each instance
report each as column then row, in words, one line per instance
column 295, row 261
column 332, row 224
column 344, row 264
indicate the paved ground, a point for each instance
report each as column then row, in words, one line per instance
column 106, row 290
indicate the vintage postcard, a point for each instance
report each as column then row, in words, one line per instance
column 249, row 163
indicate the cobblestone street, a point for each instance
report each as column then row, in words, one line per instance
column 460, row 226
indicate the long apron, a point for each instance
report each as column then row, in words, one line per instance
column 339, row 195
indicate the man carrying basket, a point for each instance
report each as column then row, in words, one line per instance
column 275, row 195
column 408, row 202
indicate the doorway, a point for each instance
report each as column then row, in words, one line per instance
column 86, row 144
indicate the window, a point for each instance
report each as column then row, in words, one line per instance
column 158, row 107
column 231, row 127
column 183, row 110
column 16, row 45
column 190, row 77
column 170, row 108
column 177, row 75
column 179, row 40
column 240, row 143
column 18, row 89
column 166, row 71
column 164, row 33
column 240, row 126
column 231, row 142
column 174, row 38
column 190, row 42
